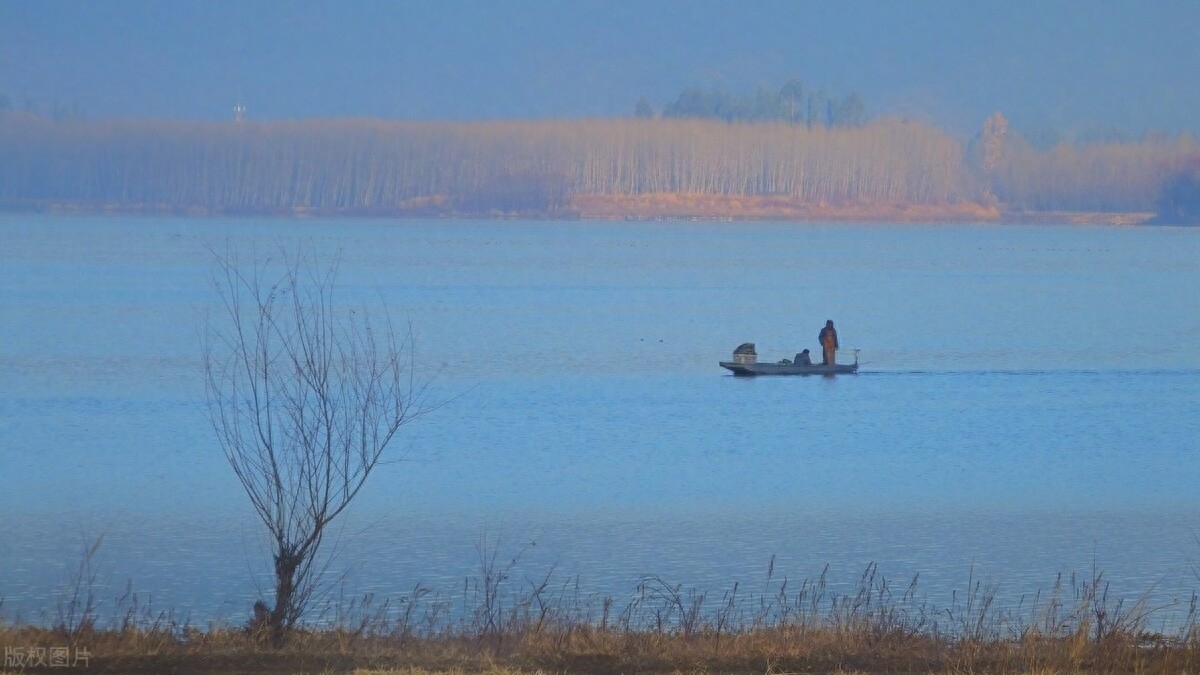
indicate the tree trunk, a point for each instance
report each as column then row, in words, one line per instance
column 285, row 588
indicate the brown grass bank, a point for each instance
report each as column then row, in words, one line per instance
column 665, row 206
column 648, row 207
column 874, row 628
column 773, row 207
column 593, row 650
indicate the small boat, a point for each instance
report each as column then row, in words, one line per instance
column 745, row 363
column 788, row 368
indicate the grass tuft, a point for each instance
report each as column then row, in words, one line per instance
column 542, row 626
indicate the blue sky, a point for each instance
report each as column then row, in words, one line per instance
column 1067, row 65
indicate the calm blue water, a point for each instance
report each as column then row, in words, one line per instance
column 1026, row 406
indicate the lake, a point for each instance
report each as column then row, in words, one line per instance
column 1026, row 407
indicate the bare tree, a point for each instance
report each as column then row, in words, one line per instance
column 995, row 128
column 305, row 395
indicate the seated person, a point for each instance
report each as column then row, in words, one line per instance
column 803, row 359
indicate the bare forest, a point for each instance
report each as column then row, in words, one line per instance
column 564, row 168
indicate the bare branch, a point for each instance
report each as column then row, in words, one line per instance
column 304, row 395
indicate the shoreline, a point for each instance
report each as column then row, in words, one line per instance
column 665, row 628
column 669, row 206
column 647, row 207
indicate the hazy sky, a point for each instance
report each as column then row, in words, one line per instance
column 1067, row 65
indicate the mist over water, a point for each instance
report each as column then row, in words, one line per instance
column 1025, row 406
column 1053, row 69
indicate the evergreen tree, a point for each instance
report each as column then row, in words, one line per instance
column 642, row 110
column 791, row 96
column 1180, row 201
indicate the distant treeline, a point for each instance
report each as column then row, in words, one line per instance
column 540, row 166
column 793, row 103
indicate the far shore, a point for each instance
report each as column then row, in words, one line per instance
column 768, row 207
column 648, row 207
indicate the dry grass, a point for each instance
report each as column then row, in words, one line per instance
column 788, row 628
column 774, row 207
column 656, row 206
column 584, row 649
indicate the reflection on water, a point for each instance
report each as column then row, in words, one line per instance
column 1025, row 407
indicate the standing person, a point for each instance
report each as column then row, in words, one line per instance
column 829, row 343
